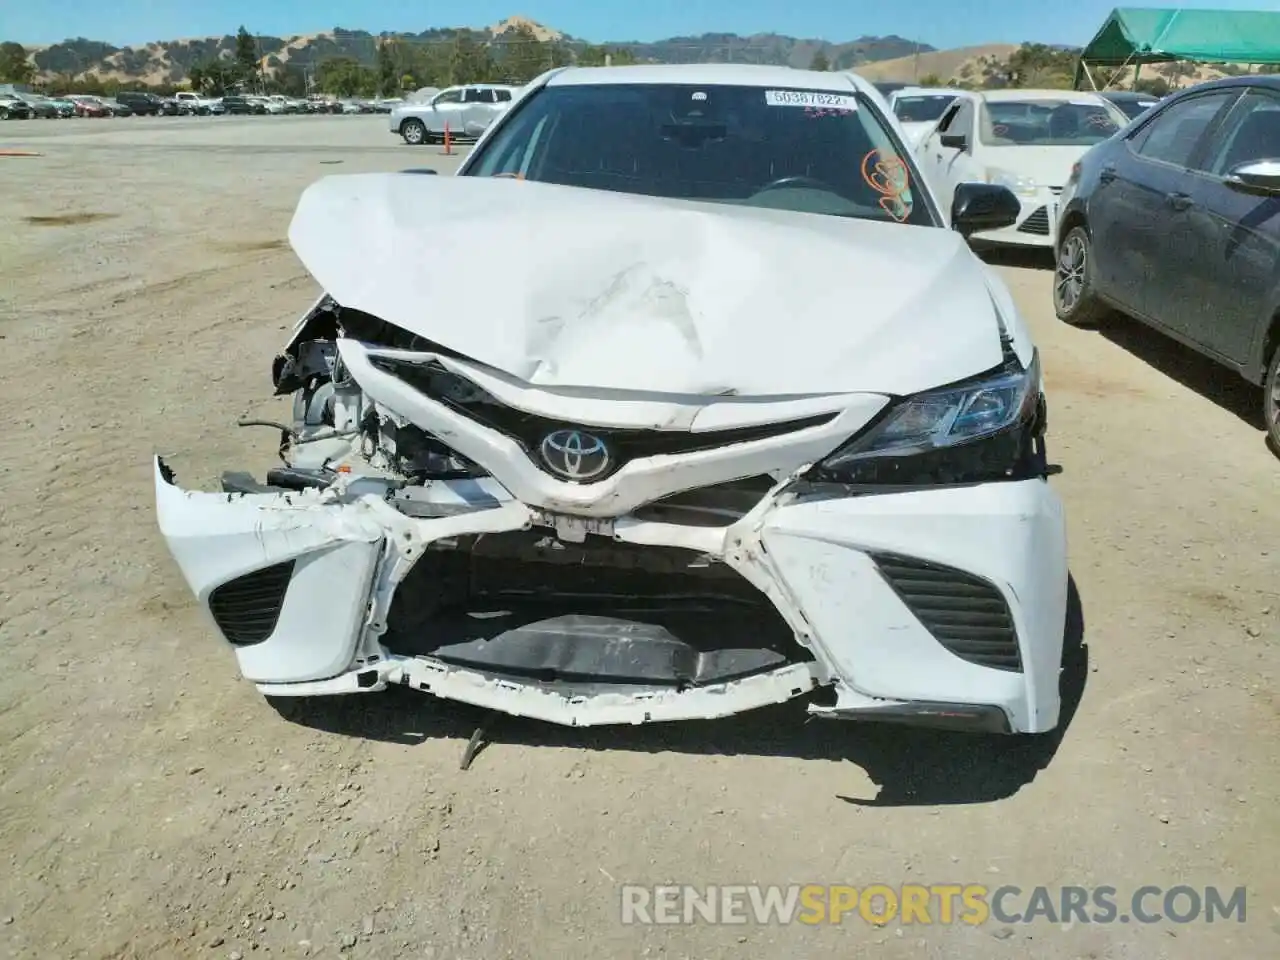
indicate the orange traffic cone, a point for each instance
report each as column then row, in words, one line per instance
column 448, row 142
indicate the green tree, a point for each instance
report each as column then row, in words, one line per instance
column 213, row 77
column 247, row 67
column 591, row 56
column 558, row 55
column 291, row 80
column 820, row 62
column 14, row 65
column 469, row 61
column 345, row 77
column 522, row 58
column 388, row 68
column 1033, row 65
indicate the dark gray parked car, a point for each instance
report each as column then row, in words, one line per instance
column 1175, row 221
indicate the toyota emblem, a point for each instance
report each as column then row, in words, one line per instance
column 574, row 455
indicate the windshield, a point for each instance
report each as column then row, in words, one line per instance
column 1049, row 123
column 811, row 152
column 925, row 109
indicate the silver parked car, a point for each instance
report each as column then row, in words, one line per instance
column 467, row 110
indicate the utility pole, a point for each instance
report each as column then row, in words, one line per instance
column 915, row 70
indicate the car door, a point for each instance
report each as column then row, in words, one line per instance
column 1138, row 214
column 478, row 109
column 1237, row 235
column 953, row 165
column 929, row 152
column 446, row 108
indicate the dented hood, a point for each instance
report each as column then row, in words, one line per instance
column 561, row 286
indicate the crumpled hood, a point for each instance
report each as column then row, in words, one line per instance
column 562, row 286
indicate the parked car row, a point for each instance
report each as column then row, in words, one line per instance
column 23, row 106
column 1163, row 210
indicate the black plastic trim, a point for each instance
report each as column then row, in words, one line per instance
column 966, row 614
column 964, row 717
column 247, row 608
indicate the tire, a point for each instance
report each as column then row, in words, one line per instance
column 414, row 132
column 1271, row 401
column 1074, row 299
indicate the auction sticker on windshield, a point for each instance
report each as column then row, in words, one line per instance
column 810, row 98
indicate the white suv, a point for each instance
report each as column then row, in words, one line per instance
column 464, row 111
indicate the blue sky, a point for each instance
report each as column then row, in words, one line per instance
column 942, row 23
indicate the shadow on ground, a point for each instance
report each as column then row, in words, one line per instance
column 912, row 767
column 1211, row 380
column 1028, row 258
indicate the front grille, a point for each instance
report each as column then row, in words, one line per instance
column 525, row 605
column 965, row 614
column 1037, row 223
column 527, row 429
column 247, row 608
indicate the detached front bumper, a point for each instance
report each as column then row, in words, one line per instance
column 943, row 605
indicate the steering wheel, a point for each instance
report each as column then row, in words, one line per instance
column 797, row 181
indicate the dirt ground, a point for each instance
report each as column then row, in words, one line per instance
column 153, row 805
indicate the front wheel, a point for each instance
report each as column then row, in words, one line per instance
column 414, row 132
column 1074, row 298
column 1271, row 401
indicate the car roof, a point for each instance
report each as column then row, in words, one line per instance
column 926, row 92
column 1128, row 95
column 1270, row 81
column 1007, row 96
column 714, row 74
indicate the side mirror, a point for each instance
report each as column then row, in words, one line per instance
column 1258, row 177
column 983, row 206
column 955, row 141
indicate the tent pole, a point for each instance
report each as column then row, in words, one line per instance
column 1089, row 74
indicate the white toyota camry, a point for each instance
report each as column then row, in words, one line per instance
column 745, row 420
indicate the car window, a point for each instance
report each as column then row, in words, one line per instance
column 1251, row 132
column 448, row 96
column 949, row 117
column 478, row 95
column 1049, row 122
column 921, row 109
column 1173, row 134
column 962, row 122
column 502, row 95
column 807, row 151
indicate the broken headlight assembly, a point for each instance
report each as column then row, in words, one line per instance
column 987, row 429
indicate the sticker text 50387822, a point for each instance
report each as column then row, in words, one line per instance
column 810, row 98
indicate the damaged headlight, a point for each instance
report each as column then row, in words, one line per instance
column 974, row 432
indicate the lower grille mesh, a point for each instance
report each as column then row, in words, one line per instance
column 247, row 608
column 1037, row 223
column 966, row 614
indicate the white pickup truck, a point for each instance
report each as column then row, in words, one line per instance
column 189, row 102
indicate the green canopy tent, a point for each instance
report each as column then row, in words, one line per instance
column 1132, row 36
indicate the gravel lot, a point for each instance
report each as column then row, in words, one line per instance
column 153, row 805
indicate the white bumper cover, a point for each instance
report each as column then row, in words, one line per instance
column 813, row 556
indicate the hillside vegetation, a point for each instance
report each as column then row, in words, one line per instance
column 356, row 62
